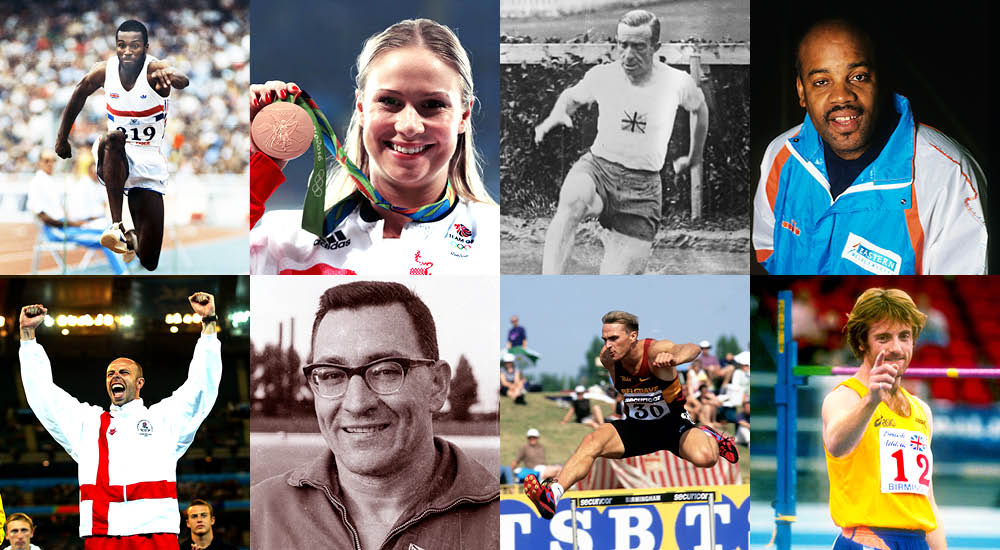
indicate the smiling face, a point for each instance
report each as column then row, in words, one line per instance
column 636, row 49
column 618, row 341
column 372, row 434
column 131, row 50
column 893, row 339
column 412, row 114
column 123, row 379
column 837, row 85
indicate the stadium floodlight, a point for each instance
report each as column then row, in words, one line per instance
column 61, row 320
column 49, row 321
column 173, row 329
column 126, row 320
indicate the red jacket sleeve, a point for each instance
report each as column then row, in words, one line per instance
column 265, row 177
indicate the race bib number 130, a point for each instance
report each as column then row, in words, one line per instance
column 905, row 461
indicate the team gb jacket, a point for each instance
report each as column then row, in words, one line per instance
column 127, row 456
column 917, row 209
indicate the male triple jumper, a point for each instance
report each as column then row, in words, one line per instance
column 618, row 179
column 129, row 161
column 127, row 456
column 655, row 419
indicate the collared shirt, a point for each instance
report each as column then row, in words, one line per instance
column 917, row 209
column 457, row 511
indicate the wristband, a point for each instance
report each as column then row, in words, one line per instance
column 213, row 318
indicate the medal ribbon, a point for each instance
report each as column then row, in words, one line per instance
column 321, row 223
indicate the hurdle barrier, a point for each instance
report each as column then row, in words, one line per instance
column 791, row 375
column 656, row 498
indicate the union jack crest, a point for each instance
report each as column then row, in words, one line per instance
column 635, row 123
column 918, row 443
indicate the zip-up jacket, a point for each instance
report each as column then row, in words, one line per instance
column 127, row 456
column 465, row 242
column 304, row 509
column 917, row 209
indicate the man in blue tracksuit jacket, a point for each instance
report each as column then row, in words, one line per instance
column 859, row 187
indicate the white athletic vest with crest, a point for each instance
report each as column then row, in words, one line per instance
column 141, row 114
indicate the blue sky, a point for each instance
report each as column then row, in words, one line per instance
column 563, row 314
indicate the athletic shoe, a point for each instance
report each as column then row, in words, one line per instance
column 129, row 254
column 113, row 238
column 727, row 448
column 541, row 496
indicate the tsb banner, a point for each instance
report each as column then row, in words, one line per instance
column 631, row 519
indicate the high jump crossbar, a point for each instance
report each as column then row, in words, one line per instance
column 915, row 372
column 655, row 498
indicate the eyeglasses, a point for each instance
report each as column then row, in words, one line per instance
column 384, row 376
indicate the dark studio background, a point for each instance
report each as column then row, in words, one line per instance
column 938, row 58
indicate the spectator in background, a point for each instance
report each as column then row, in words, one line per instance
column 516, row 337
column 708, row 361
column 585, row 413
column 936, row 331
column 743, row 425
column 707, row 407
column 738, row 389
column 72, row 210
column 532, row 454
column 695, row 377
column 19, row 531
column 717, row 373
column 200, row 518
column 511, row 380
column 44, row 52
column 741, row 376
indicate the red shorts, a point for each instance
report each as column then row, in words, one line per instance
column 154, row 541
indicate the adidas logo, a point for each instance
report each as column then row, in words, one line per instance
column 336, row 241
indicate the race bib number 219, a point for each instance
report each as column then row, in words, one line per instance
column 905, row 461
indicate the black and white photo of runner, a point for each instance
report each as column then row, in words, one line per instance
column 624, row 136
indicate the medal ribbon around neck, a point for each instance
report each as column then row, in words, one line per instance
column 321, row 223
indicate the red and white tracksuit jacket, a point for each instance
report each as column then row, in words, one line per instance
column 127, row 456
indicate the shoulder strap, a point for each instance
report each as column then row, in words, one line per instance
column 646, row 361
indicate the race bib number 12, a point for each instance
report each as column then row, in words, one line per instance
column 905, row 461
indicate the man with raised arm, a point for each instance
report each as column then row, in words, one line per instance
column 645, row 371
column 127, row 455
column 129, row 160
column 877, row 436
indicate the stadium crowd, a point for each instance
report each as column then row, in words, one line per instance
column 47, row 47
